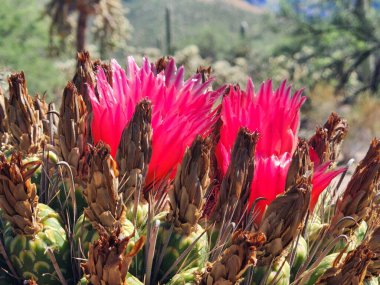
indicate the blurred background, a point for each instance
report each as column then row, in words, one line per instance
column 330, row 48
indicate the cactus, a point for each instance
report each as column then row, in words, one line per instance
column 33, row 236
column 186, row 202
column 223, row 193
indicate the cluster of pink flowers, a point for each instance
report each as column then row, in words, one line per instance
column 183, row 109
column 275, row 114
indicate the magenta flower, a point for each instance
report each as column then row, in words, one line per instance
column 322, row 177
column 269, row 178
column 180, row 110
column 275, row 114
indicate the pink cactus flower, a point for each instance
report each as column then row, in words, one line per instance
column 180, row 110
column 275, row 114
column 269, row 179
column 322, row 177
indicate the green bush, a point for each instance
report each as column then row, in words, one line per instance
column 24, row 46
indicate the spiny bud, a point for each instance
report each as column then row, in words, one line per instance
column 135, row 149
column 361, row 189
column 283, row 220
column 235, row 259
column 190, row 185
column 24, row 121
column 18, row 195
column 105, row 208
column 327, row 141
column 236, row 185
column 108, row 260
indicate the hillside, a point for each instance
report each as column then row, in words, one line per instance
column 192, row 21
column 240, row 4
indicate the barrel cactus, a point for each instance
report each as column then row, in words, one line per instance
column 33, row 236
column 108, row 261
column 177, row 183
column 105, row 209
column 186, row 200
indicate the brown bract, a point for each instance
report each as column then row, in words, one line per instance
column 83, row 79
column 283, row 220
column 105, row 208
column 107, row 68
column 235, row 259
column 5, row 137
column 43, row 108
column 190, row 185
column 162, row 63
column 327, row 141
column 84, row 75
column 3, row 115
column 360, row 192
column 215, row 174
column 72, row 131
column 108, row 260
column 18, row 196
column 135, row 149
column 24, row 121
column 236, row 184
column 301, row 164
column 374, row 245
column 205, row 71
column 351, row 271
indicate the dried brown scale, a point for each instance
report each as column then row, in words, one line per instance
column 105, row 208
column 3, row 115
column 53, row 117
column 108, row 261
column 162, row 63
column 5, row 137
column 300, row 165
column 205, row 71
column 24, row 122
column 337, row 129
column 72, row 131
column 215, row 137
column 49, row 121
column 373, row 269
column 215, row 174
column 42, row 107
column 235, row 259
column 320, row 144
column 18, row 196
column 283, row 220
column 351, row 271
column 107, row 68
column 327, row 140
column 135, row 149
column 236, row 184
column 360, row 192
column 190, row 185
column 85, row 77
